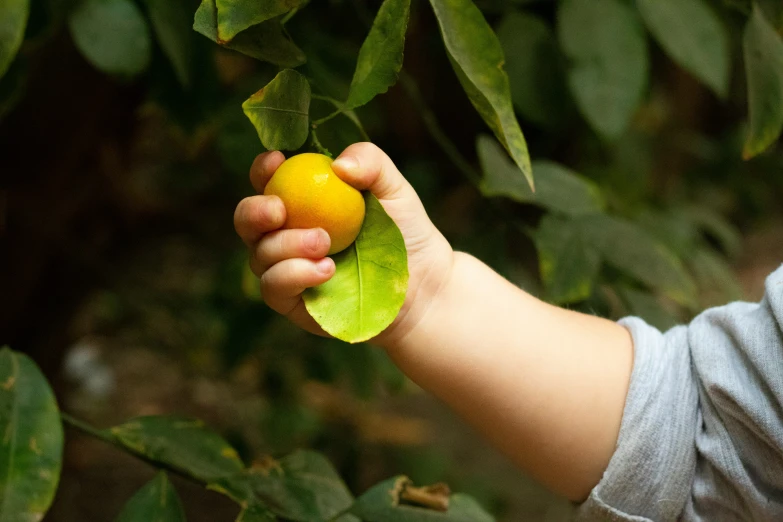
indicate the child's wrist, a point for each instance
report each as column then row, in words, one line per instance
column 426, row 306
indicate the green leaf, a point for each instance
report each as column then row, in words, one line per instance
column 266, row 41
column 256, row 513
column 234, row 16
column 535, row 69
column 31, row 445
column 382, row 503
column 112, row 35
column 569, row 263
column 606, row 46
column 155, row 502
column 647, row 306
column 693, row 36
column 280, row 111
column 13, row 21
column 380, row 58
column 183, row 444
column 171, row 22
column 763, row 51
column 477, row 58
column 710, row 222
column 368, row 288
column 629, row 248
column 303, row 486
column 558, row 188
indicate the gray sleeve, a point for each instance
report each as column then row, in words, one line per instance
column 702, row 432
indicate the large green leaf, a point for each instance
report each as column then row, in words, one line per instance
column 180, row 443
column 630, row 248
column 112, row 35
column 368, row 288
column 31, row 440
column 535, row 69
column 557, row 188
column 477, row 58
column 380, row 58
column 692, row 35
column 234, row 16
column 280, row 111
column 155, row 502
column 763, row 51
column 382, row 503
column 609, row 66
column 266, row 41
column 171, row 23
column 13, row 20
column 303, row 486
column 569, row 263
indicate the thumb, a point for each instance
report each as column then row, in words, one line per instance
column 366, row 167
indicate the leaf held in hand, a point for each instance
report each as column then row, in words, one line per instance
column 31, row 440
column 113, row 35
column 280, row 111
column 266, row 41
column 380, row 58
column 368, row 288
column 693, row 35
column 477, row 58
column 763, row 51
column 13, row 21
column 607, row 48
column 155, row 502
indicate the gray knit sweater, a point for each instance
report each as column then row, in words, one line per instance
column 702, row 431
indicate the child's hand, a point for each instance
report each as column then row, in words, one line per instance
column 289, row 261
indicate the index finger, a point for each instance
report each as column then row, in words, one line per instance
column 263, row 167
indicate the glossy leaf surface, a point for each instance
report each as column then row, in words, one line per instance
column 477, row 58
column 31, row 444
column 266, row 41
column 181, row 443
column 368, row 288
column 380, row 57
column 280, row 111
column 234, row 16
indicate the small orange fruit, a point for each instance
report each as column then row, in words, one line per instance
column 314, row 197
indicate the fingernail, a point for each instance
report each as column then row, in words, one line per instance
column 324, row 265
column 346, row 163
column 274, row 212
column 312, row 239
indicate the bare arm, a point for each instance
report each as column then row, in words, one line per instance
column 547, row 386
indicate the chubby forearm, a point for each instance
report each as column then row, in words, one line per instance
column 546, row 385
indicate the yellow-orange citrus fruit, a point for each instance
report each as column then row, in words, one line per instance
column 314, row 197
